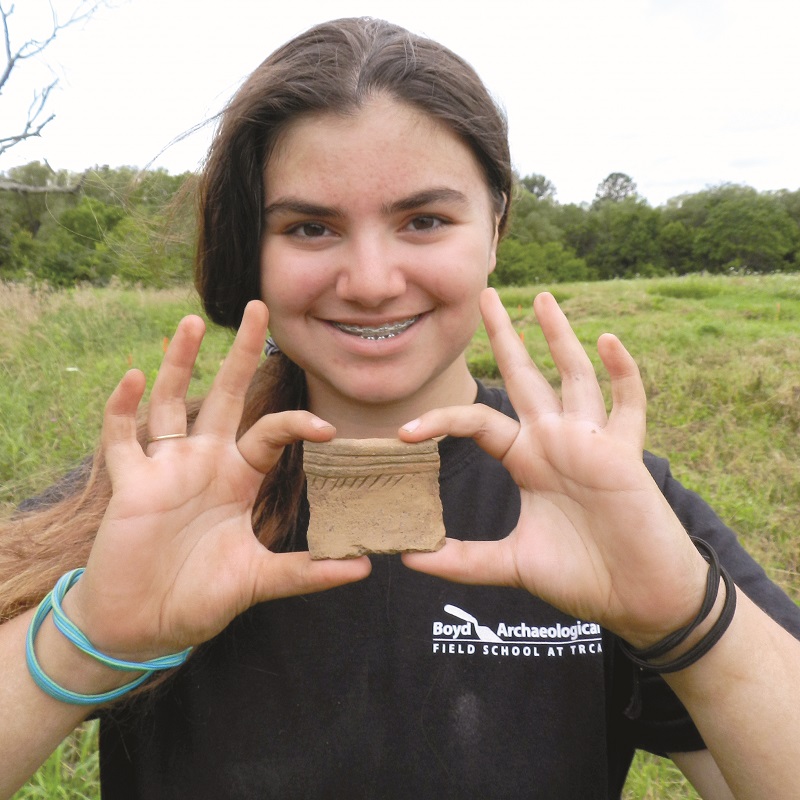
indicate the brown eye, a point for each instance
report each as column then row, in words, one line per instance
column 425, row 223
column 309, row 230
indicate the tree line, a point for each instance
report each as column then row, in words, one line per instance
column 137, row 227
column 63, row 229
column 726, row 228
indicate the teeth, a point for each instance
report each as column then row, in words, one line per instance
column 379, row 332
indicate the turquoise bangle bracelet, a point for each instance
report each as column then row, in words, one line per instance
column 79, row 639
column 52, row 602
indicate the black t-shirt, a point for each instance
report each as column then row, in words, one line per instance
column 407, row 686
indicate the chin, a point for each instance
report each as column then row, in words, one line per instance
column 377, row 396
column 375, row 391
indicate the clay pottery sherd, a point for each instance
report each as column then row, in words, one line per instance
column 372, row 496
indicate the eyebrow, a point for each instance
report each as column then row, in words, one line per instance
column 294, row 205
column 427, row 197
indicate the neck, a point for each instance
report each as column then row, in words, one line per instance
column 354, row 419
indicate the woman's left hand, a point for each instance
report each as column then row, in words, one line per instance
column 595, row 537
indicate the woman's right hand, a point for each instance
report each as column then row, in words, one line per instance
column 175, row 558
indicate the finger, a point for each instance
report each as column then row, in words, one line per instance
column 629, row 410
column 289, row 574
column 485, row 563
column 221, row 411
column 528, row 390
column 580, row 392
column 167, row 407
column 262, row 444
column 493, row 431
column 119, row 422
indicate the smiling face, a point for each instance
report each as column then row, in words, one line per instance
column 380, row 234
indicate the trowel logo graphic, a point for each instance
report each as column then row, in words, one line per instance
column 516, row 638
column 483, row 632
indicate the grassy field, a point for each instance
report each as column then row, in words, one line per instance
column 719, row 357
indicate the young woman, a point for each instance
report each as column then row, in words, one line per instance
column 352, row 203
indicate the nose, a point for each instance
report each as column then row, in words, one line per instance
column 370, row 272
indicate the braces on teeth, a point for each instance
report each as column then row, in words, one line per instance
column 379, row 332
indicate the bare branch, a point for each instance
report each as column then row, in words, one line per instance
column 34, row 124
column 33, row 47
column 10, row 61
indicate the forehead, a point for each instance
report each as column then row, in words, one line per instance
column 386, row 146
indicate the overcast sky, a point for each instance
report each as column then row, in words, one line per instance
column 679, row 94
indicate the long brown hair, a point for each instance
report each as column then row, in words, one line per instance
column 335, row 67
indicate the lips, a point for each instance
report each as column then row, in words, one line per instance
column 377, row 332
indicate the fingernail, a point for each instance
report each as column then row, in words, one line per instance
column 411, row 426
column 318, row 423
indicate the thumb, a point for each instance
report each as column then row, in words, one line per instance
column 485, row 563
column 289, row 574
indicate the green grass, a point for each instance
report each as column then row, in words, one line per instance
column 719, row 360
column 718, row 355
column 654, row 778
column 62, row 354
column 71, row 773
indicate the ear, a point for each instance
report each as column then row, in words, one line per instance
column 493, row 254
column 496, row 237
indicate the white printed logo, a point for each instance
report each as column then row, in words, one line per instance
column 483, row 632
column 516, row 639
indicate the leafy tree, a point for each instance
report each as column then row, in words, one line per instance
column 746, row 230
column 118, row 222
column 524, row 263
column 141, row 253
column 693, row 209
column 791, row 202
column 154, row 190
column 133, row 188
column 18, row 260
column 580, row 228
column 626, row 239
column 112, row 186
column 616, row 187
column 676, row 243
column 539, row 186
column 6, row 239
column 42, row 195
column 90, row 221
column 533, row 219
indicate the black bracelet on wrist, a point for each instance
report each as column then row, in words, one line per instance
column 643, row 657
